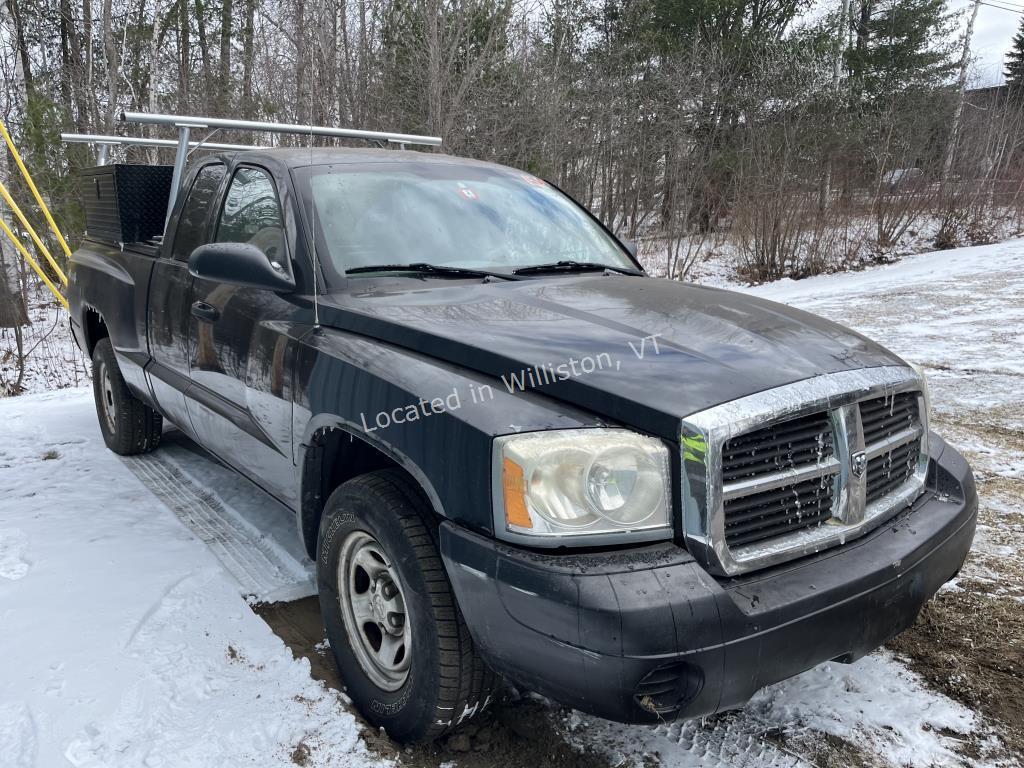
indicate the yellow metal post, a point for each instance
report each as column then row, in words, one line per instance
column 33, row 263
column 32, row 233
column 35, row 192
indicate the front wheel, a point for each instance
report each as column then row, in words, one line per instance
column 129, row 426
column 403, row 649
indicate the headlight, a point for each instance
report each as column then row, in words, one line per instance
column 582, row 483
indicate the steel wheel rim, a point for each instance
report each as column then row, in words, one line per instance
column 373, row 609
column 107, row 396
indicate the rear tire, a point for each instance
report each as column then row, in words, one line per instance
column 129, row 426
column 404, row 652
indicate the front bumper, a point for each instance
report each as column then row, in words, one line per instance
column 646, row 635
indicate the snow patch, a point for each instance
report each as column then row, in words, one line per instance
column 13, row 565
column 129, row 643
column 18, row 736
column 875, row 701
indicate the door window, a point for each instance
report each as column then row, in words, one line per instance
column 191, row 232
column 252, row 214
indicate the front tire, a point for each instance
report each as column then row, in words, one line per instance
column 403, row 649
column 129, row 426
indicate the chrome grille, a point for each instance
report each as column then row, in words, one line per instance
column 803, row 467
column 766, row 456
column 782, row 446
column 890, row 426
column 883, row 417
column 886, row 473
column 767, row 515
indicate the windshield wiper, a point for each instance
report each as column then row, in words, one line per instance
column 572, row 266
column 430, row 269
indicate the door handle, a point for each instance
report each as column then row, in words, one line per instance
column 206, row 312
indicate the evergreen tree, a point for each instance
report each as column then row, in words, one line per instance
column 1015, row 66
column 901, row 45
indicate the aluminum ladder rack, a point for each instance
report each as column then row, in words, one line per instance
column 185, row 123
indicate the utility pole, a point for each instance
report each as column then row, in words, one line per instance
column 961, row 84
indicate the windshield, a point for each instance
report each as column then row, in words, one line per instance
column 446, row 214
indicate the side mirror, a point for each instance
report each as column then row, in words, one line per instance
column 238, row 264
column 630, row 246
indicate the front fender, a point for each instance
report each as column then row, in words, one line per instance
column 328, row 421
column 434, row 419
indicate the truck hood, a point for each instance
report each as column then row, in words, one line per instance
column 640, row 351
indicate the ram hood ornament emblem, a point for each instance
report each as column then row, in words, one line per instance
column 858, row 463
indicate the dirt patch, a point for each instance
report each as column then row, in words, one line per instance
column 520, row 731
column 301, row 754
column 298, row 624
column 969, row 644
column 823, row 750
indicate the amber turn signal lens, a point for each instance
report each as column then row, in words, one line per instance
column 514, row 486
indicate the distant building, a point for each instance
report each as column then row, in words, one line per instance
column 987, row 97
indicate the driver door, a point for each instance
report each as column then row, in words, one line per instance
column 240, row 395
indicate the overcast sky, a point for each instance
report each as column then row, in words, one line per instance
column 993, row 32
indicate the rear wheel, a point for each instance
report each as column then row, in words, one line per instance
column 129, row 426
column 404, row 652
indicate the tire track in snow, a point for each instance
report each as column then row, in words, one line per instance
column 730, row 740
column 261, row 569
column 723, row 741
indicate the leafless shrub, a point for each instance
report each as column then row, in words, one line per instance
column 782, row 219
column 904, row 180
column 983, row 192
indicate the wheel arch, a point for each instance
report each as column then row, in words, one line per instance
column 94, row 328
column 334, row 451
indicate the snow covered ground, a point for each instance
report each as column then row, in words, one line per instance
column 126, row 641
column 125, row 585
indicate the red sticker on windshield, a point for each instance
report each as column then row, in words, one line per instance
column 533, row 180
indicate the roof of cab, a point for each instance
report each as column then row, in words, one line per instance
column 300, row 157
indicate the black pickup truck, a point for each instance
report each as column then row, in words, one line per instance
column 510, row 451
